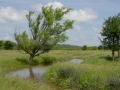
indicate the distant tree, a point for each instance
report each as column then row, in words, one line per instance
column 8, row 45
column 1, row 43
column 46, row 30
column 100, row 47
column 84, row 47
column 111, row 33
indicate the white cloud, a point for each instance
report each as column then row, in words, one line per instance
column 77, row 27
column 38, row 7
column 10, row 14
column 82, row 15
column 8, row 37
column 96, row 29
column 86, row 15
column 55, row 4
column 82, row 37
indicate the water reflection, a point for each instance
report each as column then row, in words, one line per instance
column 37, row 72
column 31, row 72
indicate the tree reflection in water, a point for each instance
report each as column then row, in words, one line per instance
column 31, row 73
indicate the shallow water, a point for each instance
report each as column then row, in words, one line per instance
column 78, row 61
column 36, row 72
column 31, row 72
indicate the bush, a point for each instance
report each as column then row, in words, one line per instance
column 8, row 45
column 65, row 72
column 75, row 77
column 48, row 60
column 66, row 75
column 113, row 83
column 84, row 47
column 25, row 61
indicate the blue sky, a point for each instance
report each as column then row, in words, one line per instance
column 89, row 16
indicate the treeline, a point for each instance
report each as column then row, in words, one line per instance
column 73, row 47
column 7, row 45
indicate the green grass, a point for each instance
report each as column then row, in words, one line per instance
column 97, row 72
column 97, row 66
column 11, row 60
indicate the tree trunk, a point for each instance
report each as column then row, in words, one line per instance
column 113, row 53
column 30, row 60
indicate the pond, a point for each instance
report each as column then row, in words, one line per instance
column 36, row 72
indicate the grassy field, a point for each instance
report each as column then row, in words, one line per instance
column 97, row 72
column 96, row 62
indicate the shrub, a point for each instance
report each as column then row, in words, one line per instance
column 84, row 47
column 48, row 60
column 25, row 61
column 8, row 45
column 113, row 83
column 65, row 72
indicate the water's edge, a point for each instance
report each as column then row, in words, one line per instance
column 36, row 72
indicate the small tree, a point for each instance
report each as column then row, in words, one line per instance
column 8, row 45
column 1, row 44
column 100, row 47
column 84, row 47
column 46, row 30
column 111, row 33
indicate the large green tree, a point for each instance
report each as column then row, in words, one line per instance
column 111, row 33
column 46, row 30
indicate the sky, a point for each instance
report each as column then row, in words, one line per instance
column 89, row 16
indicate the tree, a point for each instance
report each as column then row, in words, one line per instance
column 46, row 30
column 8, row 45
column 84, row 47
column 1, row 43
column 100, row 47
column 111, row 33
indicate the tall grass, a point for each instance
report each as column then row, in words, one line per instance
column 95, row 73
column 11, row 60
column 97, row 70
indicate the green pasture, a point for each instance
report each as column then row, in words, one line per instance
column 97, row 66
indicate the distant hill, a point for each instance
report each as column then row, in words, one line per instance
column 66, row 47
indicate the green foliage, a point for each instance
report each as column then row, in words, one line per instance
column 65, row 72
column 25, row 61
column 8, row 45
column 1, row 44
column 94, row 47
column 84, row 47
column 46, row 30
column 111, row 32
column 22, row 60
column 78, row 77
column 66, row 47
column 47, row 60
column 72, row 77
column 113, row 83
column 13, row 83
column 100, row 47
column 92, row 74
